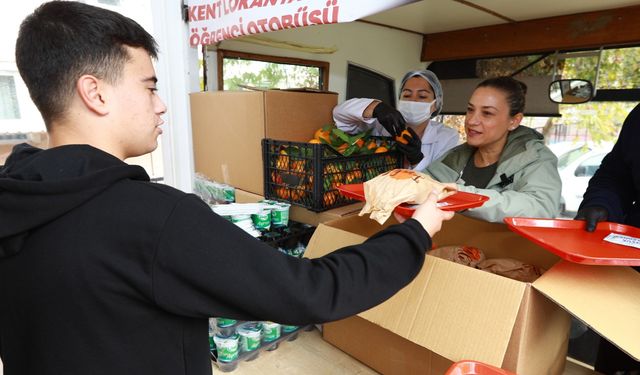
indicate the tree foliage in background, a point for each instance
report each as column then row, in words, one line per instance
column 240, row 72
column 592, row 121
column 618, row 70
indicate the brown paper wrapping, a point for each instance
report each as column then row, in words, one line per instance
column 386, row 191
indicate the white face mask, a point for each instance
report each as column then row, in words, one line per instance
column 415, row 113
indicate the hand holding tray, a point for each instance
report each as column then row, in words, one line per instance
column 569, row 240
column 455, row 202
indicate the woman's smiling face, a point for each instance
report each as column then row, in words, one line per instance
column 488, row 121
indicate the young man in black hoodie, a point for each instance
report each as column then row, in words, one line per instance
column 103, row 272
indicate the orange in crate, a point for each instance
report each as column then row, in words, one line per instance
column 309, row 174
column 322, row 134
column 401, row 139
column 475, row 368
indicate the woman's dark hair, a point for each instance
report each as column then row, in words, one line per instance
column 64, row 40
column 515, row 90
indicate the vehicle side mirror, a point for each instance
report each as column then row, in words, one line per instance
column 581, row 171
column 570, row 91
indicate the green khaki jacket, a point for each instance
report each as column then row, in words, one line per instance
column 526, row 182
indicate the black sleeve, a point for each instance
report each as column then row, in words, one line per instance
column 206, row 266
column 612, row 185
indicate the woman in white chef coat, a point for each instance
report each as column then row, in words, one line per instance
column 420, row 101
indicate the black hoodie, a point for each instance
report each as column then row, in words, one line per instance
column 103, row 272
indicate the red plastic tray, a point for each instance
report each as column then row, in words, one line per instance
column 475, row 368
column 570, row 241
column 456, row 202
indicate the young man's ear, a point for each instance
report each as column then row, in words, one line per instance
column 91, row 91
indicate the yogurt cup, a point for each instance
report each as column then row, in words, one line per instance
column 250, row 336
column 292, row 331
column 280, row 214
column 270, row 334
column 288, row 329
column 262, row 220
column 225, row 322
column 227, row 347
column 241, row 219
column 250, row 339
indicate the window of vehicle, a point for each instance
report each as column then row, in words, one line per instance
column 568, row 157
column 237, row 70
column 589, row 167
column 595, row 122
column 9, row 109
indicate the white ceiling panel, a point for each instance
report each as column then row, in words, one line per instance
column 432, row 16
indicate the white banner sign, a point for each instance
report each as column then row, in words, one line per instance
column 213, row 21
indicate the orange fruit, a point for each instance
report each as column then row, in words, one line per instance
column 380, row 150
column 321, row 134
column 283, row 193
column 342, row 148
column 360, row 142
column 276, row 178
column 401, row 139
column 353, row 176
column 297, row 194
column 297, row 166
column 329, row 198
column 372, row 145
column 314, row 140
column 282, row 161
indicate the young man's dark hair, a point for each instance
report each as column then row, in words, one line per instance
column 63, row 40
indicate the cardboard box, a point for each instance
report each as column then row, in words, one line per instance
column 227, row 127
column 452, row 312
column 247, row 197
column 302, row 215
column 315, row 218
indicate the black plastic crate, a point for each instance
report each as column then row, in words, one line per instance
column 288, row 238
column 308, row 174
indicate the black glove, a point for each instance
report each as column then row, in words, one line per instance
column 389, row 118
column 592, row 215
column 413, row 149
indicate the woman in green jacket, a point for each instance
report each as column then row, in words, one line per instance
column 502, row 160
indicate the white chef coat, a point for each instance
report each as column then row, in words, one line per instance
column 436, row 140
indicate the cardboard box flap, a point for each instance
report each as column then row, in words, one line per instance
column 425, row 312
column 326, row 239
column 454, row 327
column 607, row 298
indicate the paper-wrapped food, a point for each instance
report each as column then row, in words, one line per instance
column 512, row 268
column 461, row 254
column 388, row 190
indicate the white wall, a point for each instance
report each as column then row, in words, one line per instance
column 387, row 51
column 10, row 20
column 177, row 70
